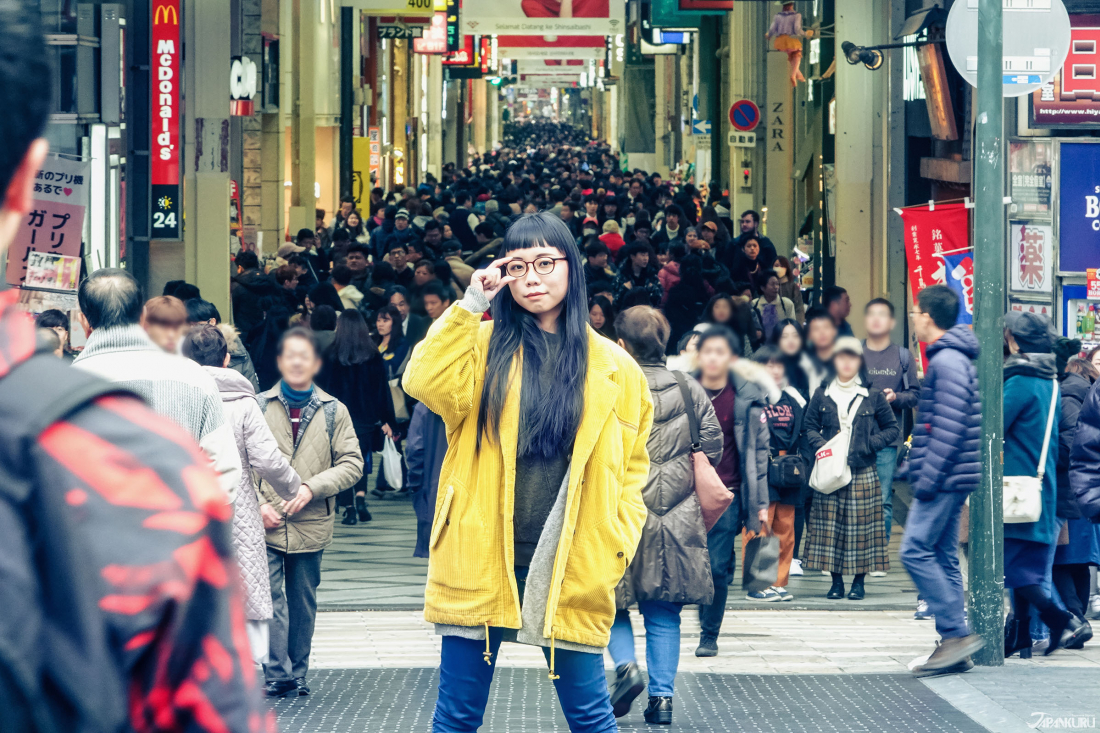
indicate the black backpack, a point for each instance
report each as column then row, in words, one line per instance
column 55, row 656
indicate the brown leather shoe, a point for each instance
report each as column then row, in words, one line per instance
column 952, row 651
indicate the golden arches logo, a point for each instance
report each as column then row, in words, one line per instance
column 163, row 13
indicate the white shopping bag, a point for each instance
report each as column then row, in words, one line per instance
column 391, row 463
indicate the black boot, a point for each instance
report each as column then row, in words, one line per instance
column 1077, row 634
column 1017, row 637
column 349, row 516
column 1059, row 622
column 856, row 593
column 837, row 590
column 659, row 711
column 361, row 508
column 628, row 685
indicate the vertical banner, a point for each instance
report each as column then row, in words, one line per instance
column 55, row 223
column 165, row 95
column 1079, row 206
column 928, row 234
column 959, row 271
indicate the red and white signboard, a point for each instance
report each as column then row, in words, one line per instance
column 1031, row 257
column 165, row 71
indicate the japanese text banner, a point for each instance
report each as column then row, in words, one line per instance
column 55, row 222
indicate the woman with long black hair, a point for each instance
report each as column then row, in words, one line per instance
column 540, row 507
column 355, row 374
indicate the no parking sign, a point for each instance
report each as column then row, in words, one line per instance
column 744, row 115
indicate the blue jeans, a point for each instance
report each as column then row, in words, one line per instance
column 721, row 543
column 930, row 552
column 464, row 680
column 662, row 643
column 887, row 463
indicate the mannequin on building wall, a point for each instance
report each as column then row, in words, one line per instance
column 786, row 35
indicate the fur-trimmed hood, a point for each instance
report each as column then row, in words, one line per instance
column 746, row 370
column 232, row 336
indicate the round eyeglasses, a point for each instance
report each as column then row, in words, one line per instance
column 543, row 266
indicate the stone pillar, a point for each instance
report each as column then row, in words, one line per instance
column 303, row 172
column 857, row 258
column 206, row 151
column 435, row 115
column 779, row 142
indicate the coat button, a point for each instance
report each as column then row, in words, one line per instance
column 618, row 554
column 447, row 522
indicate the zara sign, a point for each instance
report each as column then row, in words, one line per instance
column 243, row 78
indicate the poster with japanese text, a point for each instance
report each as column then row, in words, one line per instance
column 55, row 223
column 1029, row 171
column 1031, row 257
column 543, row 17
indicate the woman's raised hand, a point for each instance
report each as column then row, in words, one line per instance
column 491, row 280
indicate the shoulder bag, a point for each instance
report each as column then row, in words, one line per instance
column 1023, row 495
column 831, row 469
column 714, row 497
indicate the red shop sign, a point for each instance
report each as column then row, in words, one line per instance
column 165, row 118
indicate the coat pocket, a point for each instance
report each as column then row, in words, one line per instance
column 442, row 512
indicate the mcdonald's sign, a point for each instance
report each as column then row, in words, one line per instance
column 166, row 14
column 165, row 155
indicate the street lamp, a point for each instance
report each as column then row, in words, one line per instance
column 871, row 57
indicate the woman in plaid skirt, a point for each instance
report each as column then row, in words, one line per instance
column 847, row 534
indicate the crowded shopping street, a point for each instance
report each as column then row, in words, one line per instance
column 530, row 366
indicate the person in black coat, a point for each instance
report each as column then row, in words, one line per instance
column 847, row 531
column 354, row 373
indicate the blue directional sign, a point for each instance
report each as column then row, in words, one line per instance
column 700, row 127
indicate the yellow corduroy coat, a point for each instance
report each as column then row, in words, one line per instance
column 471, row 577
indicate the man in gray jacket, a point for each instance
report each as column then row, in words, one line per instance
column 739, row 390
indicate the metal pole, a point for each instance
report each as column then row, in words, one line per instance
column 986, row 558
column 347, row 58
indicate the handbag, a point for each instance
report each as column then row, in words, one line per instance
column 391, row 464
column 761, row 569
column 714, row 497
column 831, row 469
column 1023, row 495
column 400, row 409
column 786, row 471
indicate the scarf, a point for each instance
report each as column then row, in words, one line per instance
column 295, row 398
column 845, row 393
column 1030, row 365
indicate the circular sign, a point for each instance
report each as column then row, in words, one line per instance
column 1036, row 42
column 744, row 115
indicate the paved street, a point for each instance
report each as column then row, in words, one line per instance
column 807, row 665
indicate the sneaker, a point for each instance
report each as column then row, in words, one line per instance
column 796, row 567
column 826, row 573
column 878, row 574
column 950, row 652
column 708, row 646
column 768, row 595
column 922, row 614
column 303, row 688
column 281, row 688
column 1094, row 607
column 783, row 594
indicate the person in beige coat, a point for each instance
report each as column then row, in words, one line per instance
column 314, row 431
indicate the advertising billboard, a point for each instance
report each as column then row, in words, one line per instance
column 1072, row 98
column 165, row 119
column 543, row 17
column 1079, row 207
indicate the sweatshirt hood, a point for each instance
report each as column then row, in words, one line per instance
column 961, row 338
column 231, row 384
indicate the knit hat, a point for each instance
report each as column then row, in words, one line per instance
column 402, row 214
column 1034, row 333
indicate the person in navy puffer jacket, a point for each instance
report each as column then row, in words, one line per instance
column 945, row 466
column 1084, row 462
